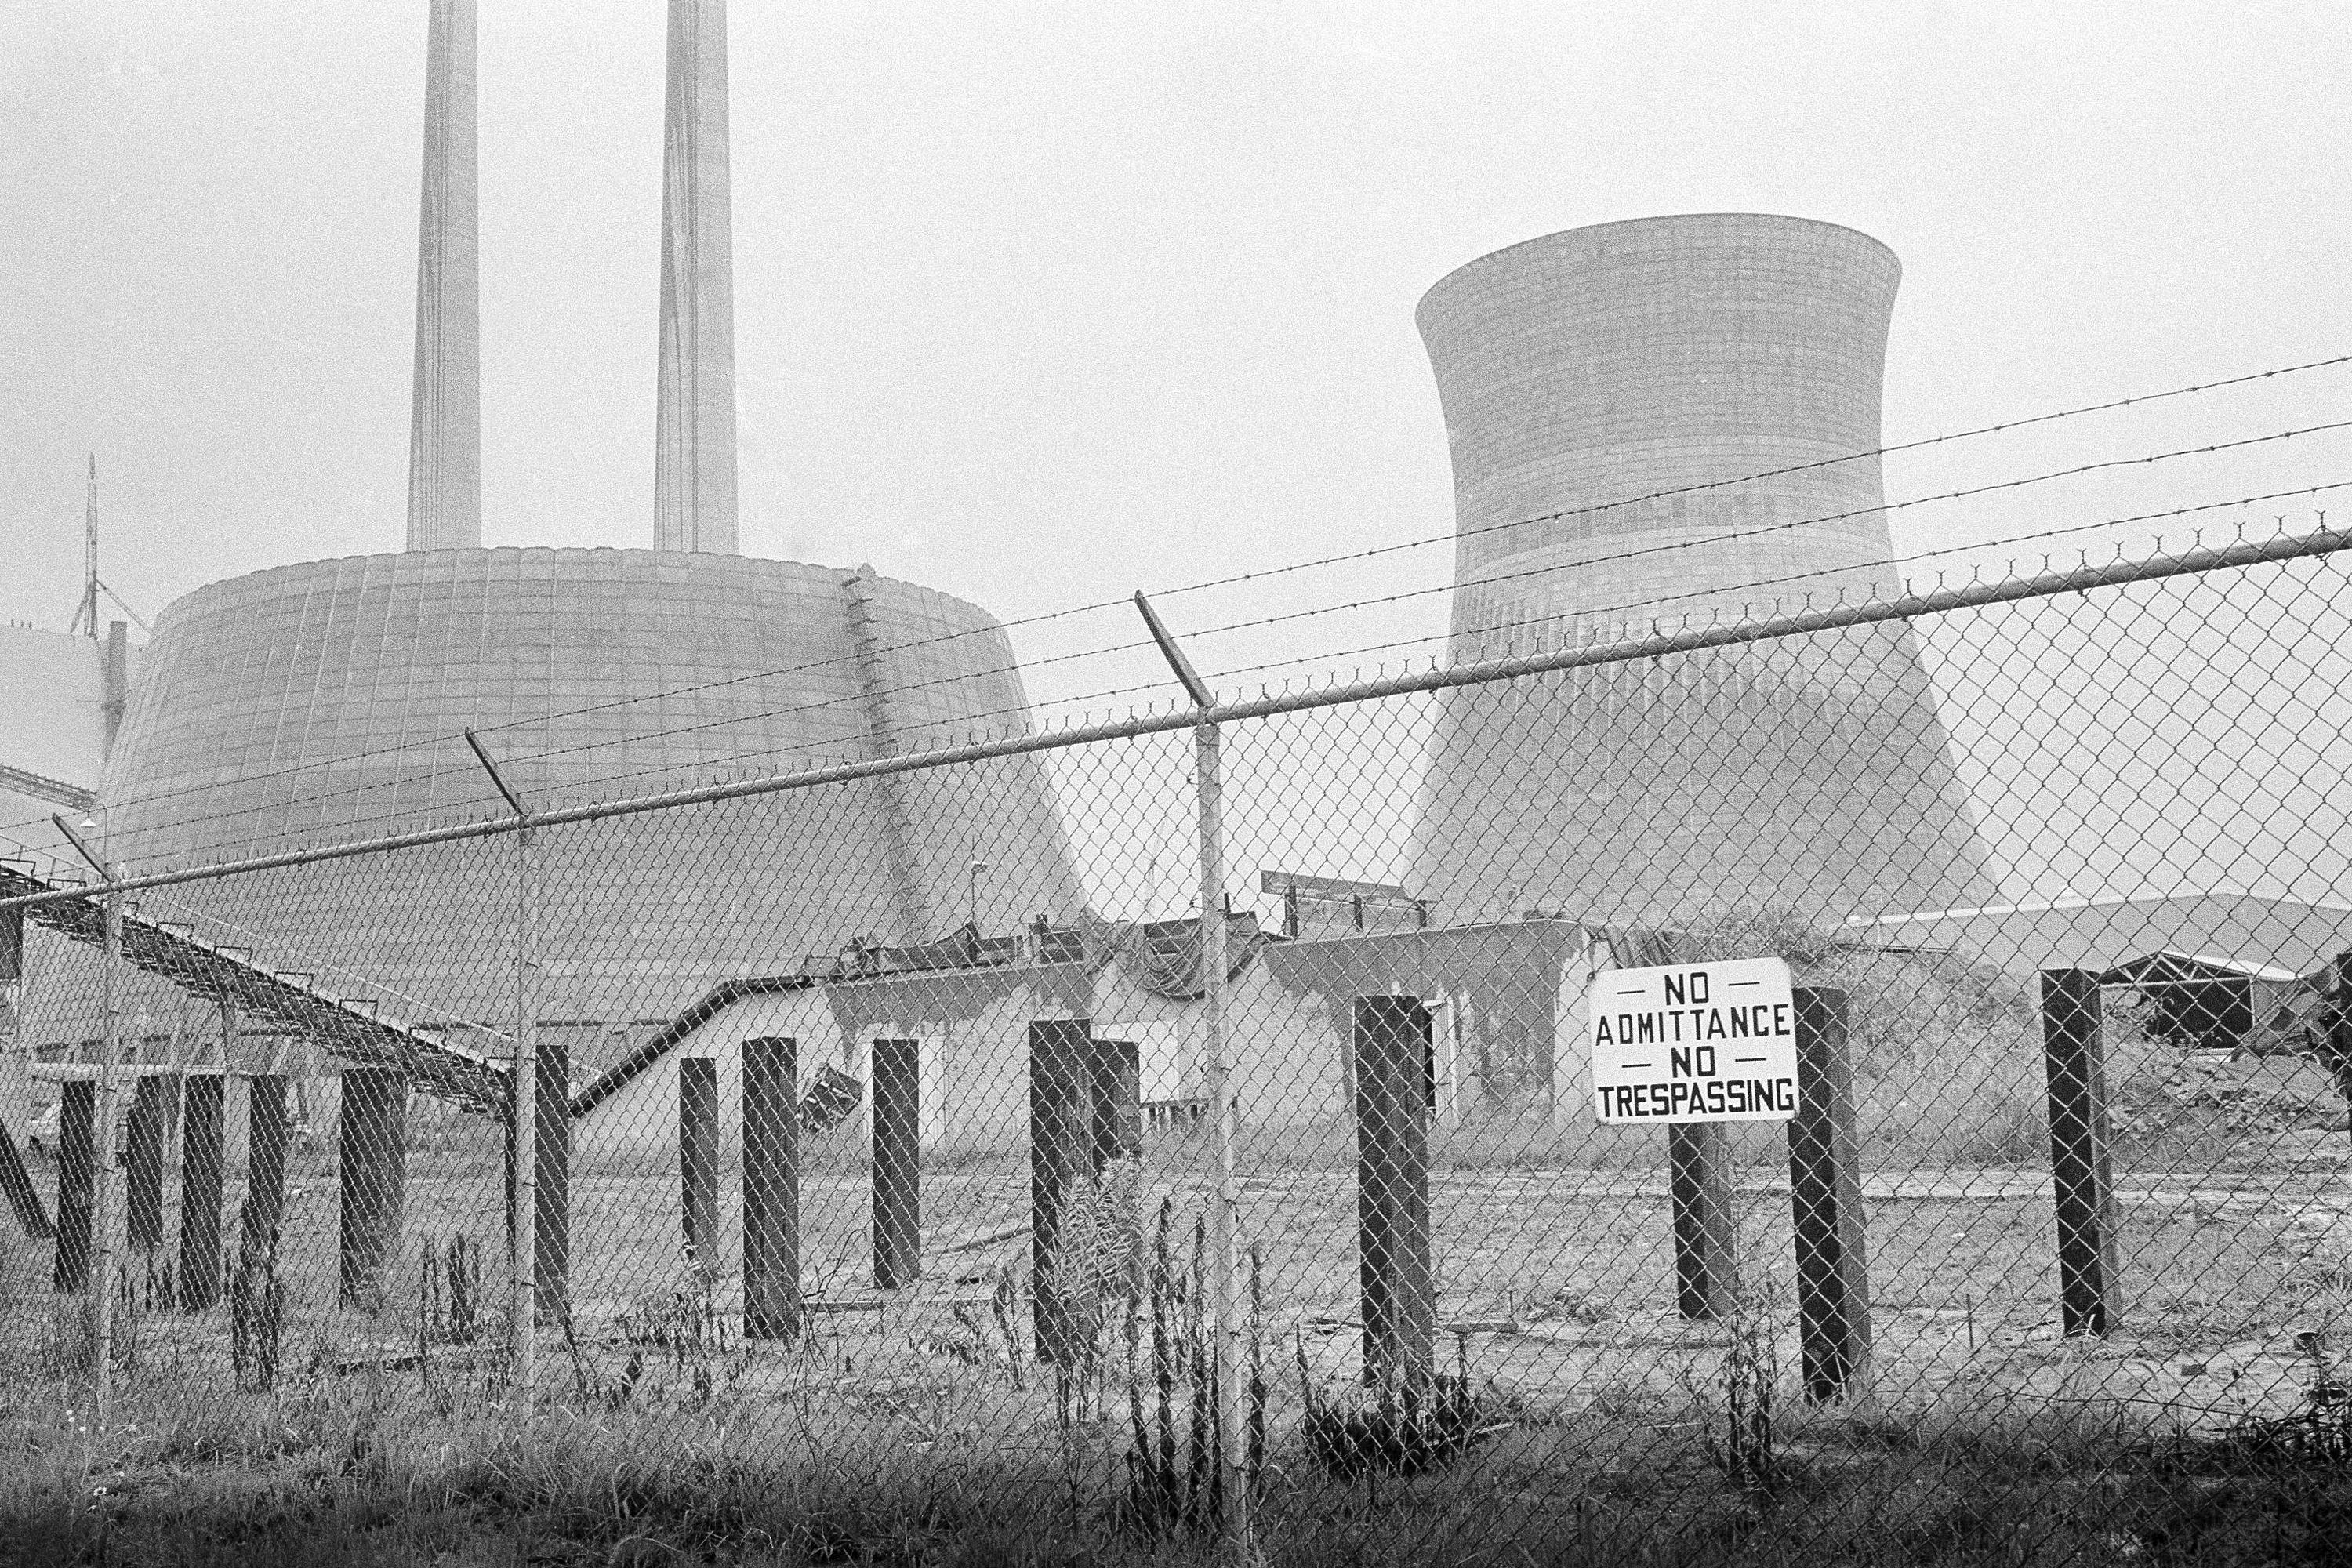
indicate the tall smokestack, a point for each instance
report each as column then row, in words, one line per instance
column 445, row 431
column 694, row 452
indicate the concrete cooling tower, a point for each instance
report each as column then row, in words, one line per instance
column 1601, row 389
column 321, row 702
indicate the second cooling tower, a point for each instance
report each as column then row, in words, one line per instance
column 1611, row 396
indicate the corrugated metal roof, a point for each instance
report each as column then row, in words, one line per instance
column 2227, row 925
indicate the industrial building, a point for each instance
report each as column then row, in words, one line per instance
column 1672, row 417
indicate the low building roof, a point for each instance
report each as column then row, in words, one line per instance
column 2222, row 925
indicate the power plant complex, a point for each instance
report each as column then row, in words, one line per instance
column 1609, row 394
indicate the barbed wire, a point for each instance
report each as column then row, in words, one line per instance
column 1457, row 535
column 1137, row 645
column 972, row 727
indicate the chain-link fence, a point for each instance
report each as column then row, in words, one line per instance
column 1867, row 1081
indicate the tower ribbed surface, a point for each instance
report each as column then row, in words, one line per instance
column 1600, row 387
column 326, row 701
column 444, row 432
column 693, row 453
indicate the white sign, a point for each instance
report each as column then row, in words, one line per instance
column 1707, row 1042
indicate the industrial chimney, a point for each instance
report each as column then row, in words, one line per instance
column 445, row 429
column 1608, row 391
column 694, row 450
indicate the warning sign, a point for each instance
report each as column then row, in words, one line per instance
column 1709, row 1042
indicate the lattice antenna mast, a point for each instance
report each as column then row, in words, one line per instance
column 87, row 617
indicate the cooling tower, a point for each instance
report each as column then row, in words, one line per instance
column 1603, row 388
column 324, row 701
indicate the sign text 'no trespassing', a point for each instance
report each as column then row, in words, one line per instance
column 1710, row 1042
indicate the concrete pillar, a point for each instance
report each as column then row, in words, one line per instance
column 1060, row 1133
column 772, row 1191
column 897, row 1080
column 266, row 1129
column 200, row 1191
column 76, row 1183
column 551, row 1176
column 697, row 1159
column 1707, row 1272
column 1825, row 1193
column 2074, row 1062
column 142, row 1158
column 1394, row 1257
column 372, row 1153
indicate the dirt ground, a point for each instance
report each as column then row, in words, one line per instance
column 1555, row 1282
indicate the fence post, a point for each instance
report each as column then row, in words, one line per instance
column 1392, row 1248
column 1059, row 1120
column 2082, row 1176
column 373, row 1152
column 522, row 1125
column 1225, row 1260
column 76, row 1183
column 142, row 1162
column 896, row 1073
column 772, row 1191
column 551, row 1182
column 1825, row 1193
column 101, row 1232
column 1706, row 1266
column 201, row 1121
column 697, row 1161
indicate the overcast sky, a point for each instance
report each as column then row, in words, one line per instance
column 1042, row 304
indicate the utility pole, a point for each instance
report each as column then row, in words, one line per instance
column 86, row 617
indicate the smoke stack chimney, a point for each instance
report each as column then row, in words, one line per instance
column 444, row 430
column 694, row 451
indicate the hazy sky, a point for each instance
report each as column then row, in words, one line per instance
column 1039, row 304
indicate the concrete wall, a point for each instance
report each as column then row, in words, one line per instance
column 1288, row 1041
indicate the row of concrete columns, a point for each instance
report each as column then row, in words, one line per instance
column 1085, row 1112
column 199, row 1099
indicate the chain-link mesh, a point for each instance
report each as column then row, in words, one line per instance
column 875, row 1146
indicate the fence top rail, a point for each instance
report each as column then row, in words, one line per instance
column 1684, row 638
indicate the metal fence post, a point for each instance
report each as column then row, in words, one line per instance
column 1232, row 1441
column 522, row 1131
column 102, row 1274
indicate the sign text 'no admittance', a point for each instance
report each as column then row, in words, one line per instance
column 1707, row 1042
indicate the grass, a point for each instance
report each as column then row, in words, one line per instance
column 382, row 1468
